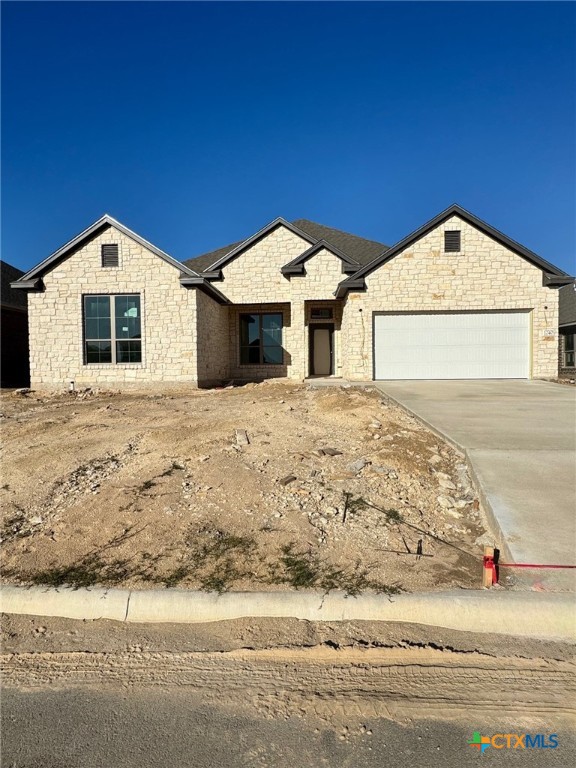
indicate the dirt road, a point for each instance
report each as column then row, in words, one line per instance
column 275, row 693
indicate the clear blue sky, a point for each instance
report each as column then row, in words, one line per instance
column 197, row 123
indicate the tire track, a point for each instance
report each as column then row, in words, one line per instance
column 333, row 685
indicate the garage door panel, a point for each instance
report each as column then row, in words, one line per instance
column 452, row 345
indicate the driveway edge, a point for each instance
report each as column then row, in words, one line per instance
column 523, row 614
column 485, row 505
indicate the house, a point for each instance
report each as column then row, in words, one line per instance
column 567, row 331
column 455, row 299
column 14, row 368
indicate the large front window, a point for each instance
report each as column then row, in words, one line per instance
column 261, row 339
column 112, row 332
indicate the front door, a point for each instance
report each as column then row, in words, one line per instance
column 321, row 350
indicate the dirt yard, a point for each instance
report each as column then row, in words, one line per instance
column 264, row 486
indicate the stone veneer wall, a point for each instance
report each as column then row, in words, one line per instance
column 483, row 276
column 254, row 279
column 213, row 340
column 168, row 318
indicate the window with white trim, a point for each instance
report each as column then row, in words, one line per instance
column 112, row 329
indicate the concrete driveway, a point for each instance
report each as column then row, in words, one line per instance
column 520, row 439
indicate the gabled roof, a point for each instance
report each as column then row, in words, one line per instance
column 203, row 262
column 296, row 266
column 551, row 275
column 221, row 262
column 358, row 248
column 31, row 278
column 9, row 297
column 350, row 248
column 567, row 305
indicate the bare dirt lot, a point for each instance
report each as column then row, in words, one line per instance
column 274, row 486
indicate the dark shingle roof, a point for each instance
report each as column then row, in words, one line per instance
column 358, row 248
column 10, row 297
column 200, row 263
column 567, row 301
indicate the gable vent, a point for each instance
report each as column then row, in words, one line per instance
column 452, row 241
column 110, row 255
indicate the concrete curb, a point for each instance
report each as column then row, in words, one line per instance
column 499, row 538
column 524, row 614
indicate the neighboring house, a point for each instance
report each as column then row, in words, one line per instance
column 456, row 299
column 567, row 331
column 14, row 370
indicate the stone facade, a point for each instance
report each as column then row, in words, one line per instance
column 254, row 281
column 188, row 337
column 484, row 275
column 213, row 328
column 169, row 311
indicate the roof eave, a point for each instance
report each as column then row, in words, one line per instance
column 34, row 284
column 551, row 281
column 205, row 286
column 351, row 284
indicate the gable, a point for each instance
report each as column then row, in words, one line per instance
column 103, row 225
column 455, row 216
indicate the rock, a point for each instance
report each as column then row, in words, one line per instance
column 462, row 504
column 375, row 437
column 242, row 437
column 389, row 438
column 201, row 458
column 446, row 502
column 453, row 513
column 22, row 391
column 331, row 452
column 486, row 540
column 434, row 459
column 357, row 466
column 286, row 480
column 375, row 424
column 36, row 521
column 448, row 484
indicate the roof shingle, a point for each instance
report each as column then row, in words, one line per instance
column 358, row 248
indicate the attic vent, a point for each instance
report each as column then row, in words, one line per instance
column 110, row 255
column 452, row 241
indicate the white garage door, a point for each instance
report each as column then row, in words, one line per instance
column 459, row 345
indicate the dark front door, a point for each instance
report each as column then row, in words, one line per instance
column 322, row 349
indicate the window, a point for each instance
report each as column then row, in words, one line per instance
column 452, row 241
column 569, row 350
column 321, row 313
column 261, row 339
column 110, row 255
column 112, row 332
